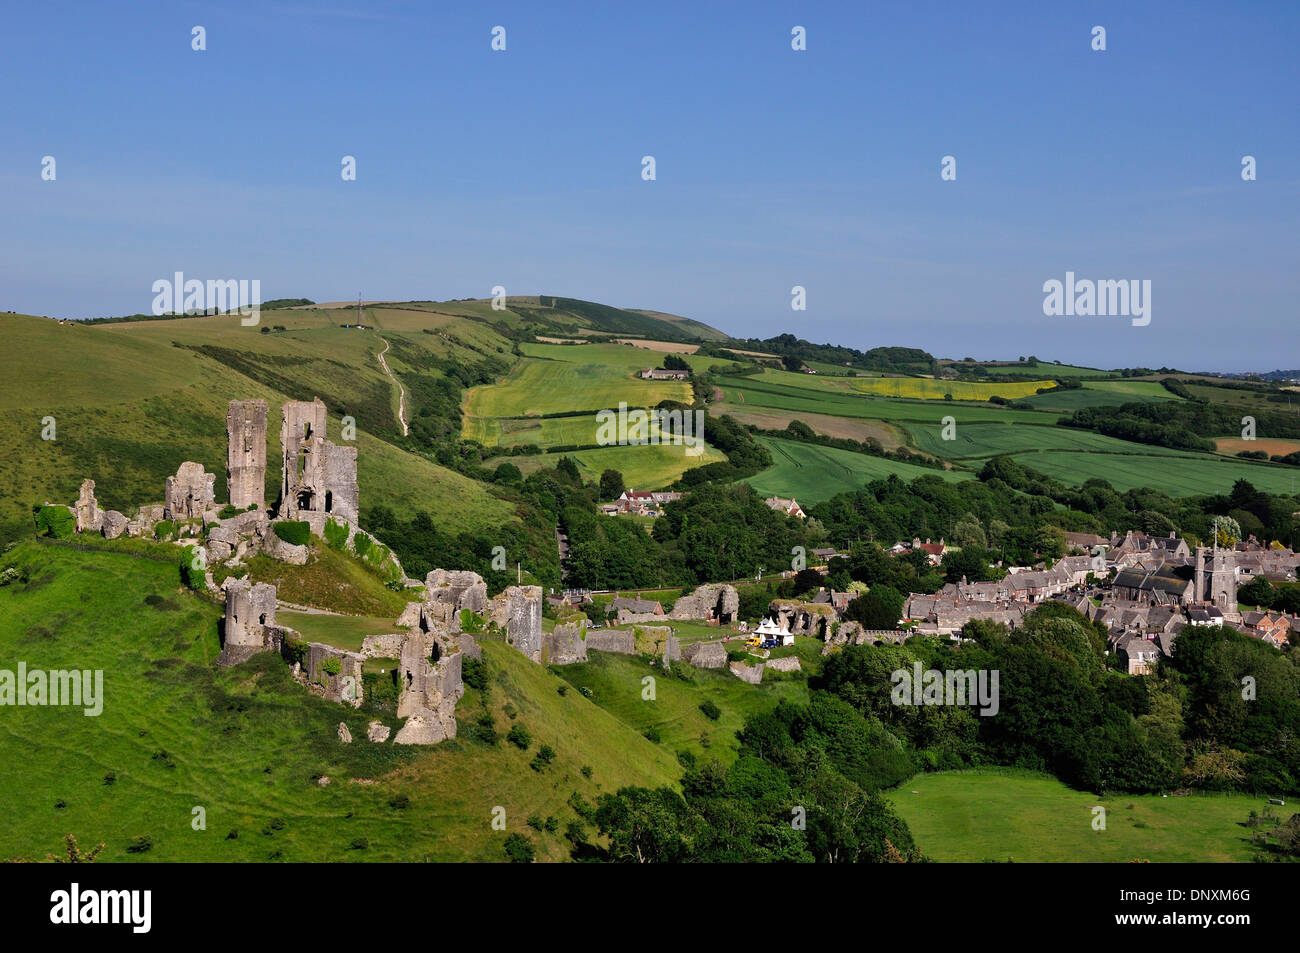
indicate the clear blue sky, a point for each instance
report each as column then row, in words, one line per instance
column 775, row 168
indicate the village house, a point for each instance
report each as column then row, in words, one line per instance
column 636, row 606
column 1125, row 550
column 1274, row 628
column 1078, row 567
column 659, row 374
column 789, row 507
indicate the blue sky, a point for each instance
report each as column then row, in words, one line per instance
column 775, row 168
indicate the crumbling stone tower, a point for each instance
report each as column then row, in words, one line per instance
column 189, row 493
column 246, row 453
column 90, row 518
column 250, row 609
column 318, row 477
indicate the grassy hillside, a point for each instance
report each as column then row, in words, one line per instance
column 970, row 817
column 132, row 401
column 249, row 745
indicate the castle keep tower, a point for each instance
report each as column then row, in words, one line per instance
column 318, row 477
column 246, row 453
column 250, row 609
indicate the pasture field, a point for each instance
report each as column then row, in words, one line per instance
column 925, row 388
column 249, row 743
column 970, row 816
column 1135, row 390
column 1039, row 369
column 845, row 427
column 979, row 440
column 1068, row 401
column 555, row 378
column 1252, row 400
column 647, row 467
column 1174, row 473
column 811, row 473
column 542, row 431
column 624, row 357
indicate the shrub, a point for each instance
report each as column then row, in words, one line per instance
column 361, row 545
column 140, row 844
column 336, row 534
column 164, row 529
column 545, row 755
column 562, row 689
column 519, row 737
column 552, row 825
column 711, row 711
column 228, row 511
column 652, row 735
column 56, row 521
column 192, row 567
column 535, row 822
column 332, row 665
column 473, row 673
column 519, row 849
column 359, row 843
column 293, row 532
column 399, row 803
column 585, row 770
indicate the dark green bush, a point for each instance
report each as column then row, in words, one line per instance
column 293, row 532
column 519, row 737
column 56, row 521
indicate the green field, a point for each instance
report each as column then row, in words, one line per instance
column 812, row 473
column 980, row 440
column 248, row 744
column 1174, row 473
column 968, row 816
column 341, row 631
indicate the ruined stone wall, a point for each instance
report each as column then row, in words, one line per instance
column 246, row 453
column 429, row 690
column 753, row 674
column 611, row 640
column 566, row 644
column 518, row 610
column 344, row 686
column 705, row 654
column 714, row 602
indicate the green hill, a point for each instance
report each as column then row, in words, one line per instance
column 250, row 746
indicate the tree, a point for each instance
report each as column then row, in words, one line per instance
column 507, row 473
column 673, row 362
column 880, row 608
column 791, row 362
column 611, row 485
column 569, row 468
